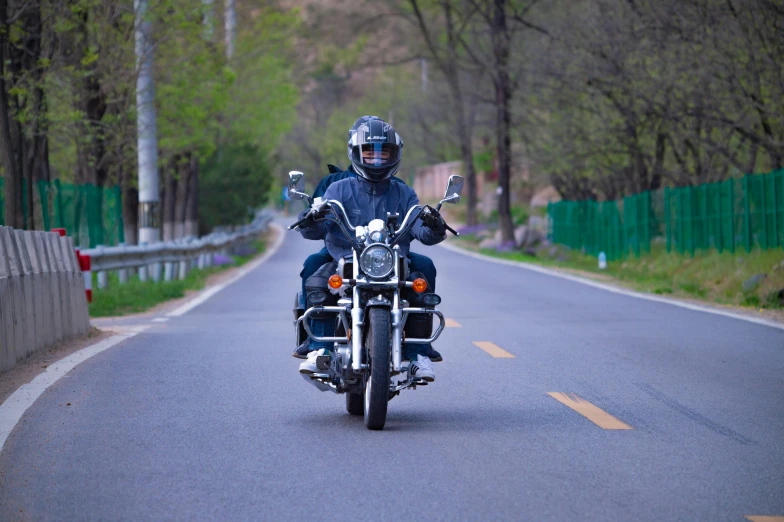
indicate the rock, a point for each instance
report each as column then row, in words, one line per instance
column 533, row 238
column 778, row 267
column 537, row 223
column 751, row 284
column 506, row 246
column 521, row 235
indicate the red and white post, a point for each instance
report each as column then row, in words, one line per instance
column 84, row 265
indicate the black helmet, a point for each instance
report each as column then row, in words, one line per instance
column 374, row 148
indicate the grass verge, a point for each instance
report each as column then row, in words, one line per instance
column 137, row 296
column 709, row 276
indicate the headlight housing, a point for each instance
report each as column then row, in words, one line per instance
column 377, row 261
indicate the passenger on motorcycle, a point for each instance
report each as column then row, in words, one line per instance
column 375, row 151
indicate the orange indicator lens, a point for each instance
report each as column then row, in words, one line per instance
column 335, row 281
column 420, row 285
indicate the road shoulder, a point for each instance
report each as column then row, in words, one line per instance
column 772, row 318
column 106, row 327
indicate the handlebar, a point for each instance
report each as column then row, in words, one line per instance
column 344, row 223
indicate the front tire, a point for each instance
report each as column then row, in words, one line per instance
column 377, row 387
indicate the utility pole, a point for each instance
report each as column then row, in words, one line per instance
column 230, row 27
column 147, row 133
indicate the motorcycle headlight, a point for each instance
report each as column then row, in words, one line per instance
column 377, row 261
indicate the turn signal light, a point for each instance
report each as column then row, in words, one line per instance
column 420, row 285
column 335, row 281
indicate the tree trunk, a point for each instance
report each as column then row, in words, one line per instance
column 169, row 197
column 658, row 165
column 192, row 204
column 503, row 89
column 181, row 198
column 13, row 176
column 130, row 208
column 467, row 154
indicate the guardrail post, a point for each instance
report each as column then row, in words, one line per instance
column 122, row 274
column 168, row 271
column 155, row 272
column 183, row 269
column 103, row 280
column 143, row 273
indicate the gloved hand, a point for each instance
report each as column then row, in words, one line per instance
column 433, row 220
column 311, row 217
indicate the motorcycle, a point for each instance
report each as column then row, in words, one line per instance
column 366, row 362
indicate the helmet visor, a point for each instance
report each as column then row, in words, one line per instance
column 378, row 154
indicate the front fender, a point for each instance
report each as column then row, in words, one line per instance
column 378, row 301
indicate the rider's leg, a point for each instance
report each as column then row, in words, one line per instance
column 322, row 324
column 309, row 267
column 420, row 263
column 423, row 264
column 418, row 326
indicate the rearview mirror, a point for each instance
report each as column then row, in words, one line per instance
column 297, row 185
column 453, row 189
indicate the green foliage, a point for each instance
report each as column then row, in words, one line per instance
column 231, row 199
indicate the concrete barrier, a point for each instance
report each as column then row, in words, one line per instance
column 42, row 298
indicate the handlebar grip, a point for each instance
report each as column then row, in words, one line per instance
column 298, row 223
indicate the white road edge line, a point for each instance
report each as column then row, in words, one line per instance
column 201, row 298
column 160, row 319
column 613, row 289
column 17, row 403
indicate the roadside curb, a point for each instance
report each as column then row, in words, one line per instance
column 612, row 288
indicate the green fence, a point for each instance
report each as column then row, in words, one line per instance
column 743, row 213
column 92, row 215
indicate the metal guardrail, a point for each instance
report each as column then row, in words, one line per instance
column 187, row 253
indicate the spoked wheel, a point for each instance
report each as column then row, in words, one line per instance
column 377, row 387
column 355, row 403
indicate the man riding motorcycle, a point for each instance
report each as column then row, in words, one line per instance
column 417, row 262
column 375, row 151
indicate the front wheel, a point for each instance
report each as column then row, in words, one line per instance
column 377, row 387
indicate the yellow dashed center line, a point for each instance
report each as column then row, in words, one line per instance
column 495, row 351
column 593, row 413
column 451, row 323
column 763, row 518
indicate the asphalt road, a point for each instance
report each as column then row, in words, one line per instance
column 205, row 417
